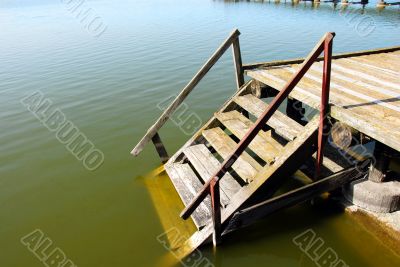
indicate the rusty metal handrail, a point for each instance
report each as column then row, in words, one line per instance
column 212, row 186
column 152, row 132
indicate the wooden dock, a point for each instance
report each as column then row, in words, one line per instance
column 365, row 90
column 227, row 174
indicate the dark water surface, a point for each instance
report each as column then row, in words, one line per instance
column 108, row 86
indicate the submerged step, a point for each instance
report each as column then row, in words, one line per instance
column 206, row 165
column 187, row 185
column 283, row 125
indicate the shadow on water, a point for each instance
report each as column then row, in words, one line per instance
column 273, row 236
column 271, row 239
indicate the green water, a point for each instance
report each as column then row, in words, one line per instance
column 109, row 87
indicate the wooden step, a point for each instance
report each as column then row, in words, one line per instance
column 187, row 185
column 245, row 166
column 283, row 125
column 206, row 165
column 263, row 144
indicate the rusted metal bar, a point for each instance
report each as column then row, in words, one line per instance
column 259, row 124
column 324, row 126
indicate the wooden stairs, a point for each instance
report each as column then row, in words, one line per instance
column 274, row 154
column 272, row 151
column 228, row 172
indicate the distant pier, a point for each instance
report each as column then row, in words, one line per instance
column 380, row 4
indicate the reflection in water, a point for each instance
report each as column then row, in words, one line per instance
column 380, row 4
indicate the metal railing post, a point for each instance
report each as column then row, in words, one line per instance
column 324, row 126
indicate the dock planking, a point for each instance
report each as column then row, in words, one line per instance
column 365, row 91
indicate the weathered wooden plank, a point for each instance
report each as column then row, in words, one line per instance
column 348, row 94
column 271, row 78
column 369, row 62
column 299, row 93
column 282, row 124
column 206, row 165
column 237, row 60
column 263, row 144
column 339, row 96
column 258, row 65
column 185, row 92
column 245, row 166
column 162, row 152
column 367, row 117
column 388, row 61
column 313, row 84
column 385, row 98
column 370, row 111
column 187, row 185
column 360, row 84
column 251, row 214
column 383, row 78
